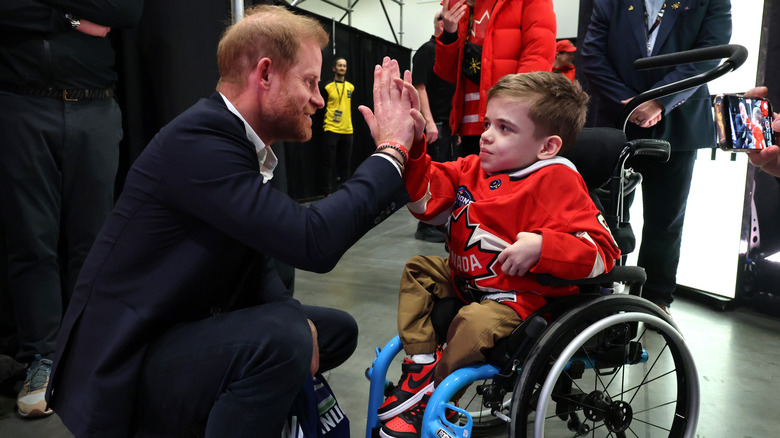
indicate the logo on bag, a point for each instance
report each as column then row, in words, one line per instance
column 330, row 412
column 331, row 418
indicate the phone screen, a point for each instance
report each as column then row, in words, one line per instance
column 743, row 123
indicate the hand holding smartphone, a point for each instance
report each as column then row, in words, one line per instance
column 743, row 124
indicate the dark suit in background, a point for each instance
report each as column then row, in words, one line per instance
column 615, row 38
column 178, row 288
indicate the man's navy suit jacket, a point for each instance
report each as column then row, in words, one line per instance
column 616, row 37
column 187, row 239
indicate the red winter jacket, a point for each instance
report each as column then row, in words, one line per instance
column 520, row 38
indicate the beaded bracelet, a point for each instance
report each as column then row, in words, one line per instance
column 400, row 164
column 396, row 146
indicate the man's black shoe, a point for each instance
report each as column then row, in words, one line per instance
column 430, row 233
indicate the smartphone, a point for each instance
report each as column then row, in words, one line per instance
column 743, row 123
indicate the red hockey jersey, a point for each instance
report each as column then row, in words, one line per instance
column 484, row 213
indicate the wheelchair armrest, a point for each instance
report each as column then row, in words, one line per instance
column 622, row 274
column 522, row 338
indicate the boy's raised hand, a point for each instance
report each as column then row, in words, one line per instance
column 452, row 11
column 396, row 116
column 522, row 255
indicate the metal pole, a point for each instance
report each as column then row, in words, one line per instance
column 401, row 23
column 389, row 23
column 349, row 12
column 333, row 35
column 238, row 10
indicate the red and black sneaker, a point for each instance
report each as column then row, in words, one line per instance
column 409, row 423
column 416, row 380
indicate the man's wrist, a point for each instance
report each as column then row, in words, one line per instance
column 391, row 146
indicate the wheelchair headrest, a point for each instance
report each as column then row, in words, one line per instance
column 595, row 153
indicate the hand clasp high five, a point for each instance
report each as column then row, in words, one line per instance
column 396, row 116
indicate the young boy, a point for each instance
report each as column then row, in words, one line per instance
column 512, row 212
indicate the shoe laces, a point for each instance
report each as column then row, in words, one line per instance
column 38, row 374
column 415, row 414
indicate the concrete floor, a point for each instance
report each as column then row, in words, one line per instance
column 736, row 352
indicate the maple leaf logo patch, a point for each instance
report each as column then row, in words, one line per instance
column 473, row 250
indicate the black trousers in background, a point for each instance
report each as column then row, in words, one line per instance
column 338, row 152
column 665, row 188
column 469, row 145
column 442, row 149
column 58, row 163
column 237, row 374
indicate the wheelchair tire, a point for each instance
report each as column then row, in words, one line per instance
column 656, row 396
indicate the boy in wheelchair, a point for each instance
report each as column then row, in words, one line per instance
column 514, row 211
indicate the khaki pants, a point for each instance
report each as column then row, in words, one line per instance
column 475, row 329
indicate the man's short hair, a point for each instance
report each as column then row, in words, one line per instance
column 337, row 59
column 558, row 106
column 265, row 32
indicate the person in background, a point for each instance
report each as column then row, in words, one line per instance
column 435, row 104
column 564, row 59
column 482, row 41
column 619, row 33
column 61, row 128
column 179, row 320
column 337, row 125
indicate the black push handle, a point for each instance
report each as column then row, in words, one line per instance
column 735, row 56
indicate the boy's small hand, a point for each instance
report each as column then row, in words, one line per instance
column 452, row 12
column 520, row 256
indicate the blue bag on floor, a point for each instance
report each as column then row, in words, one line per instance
column 316, row 413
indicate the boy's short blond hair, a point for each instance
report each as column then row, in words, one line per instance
column 558, row 106
column 265, row 32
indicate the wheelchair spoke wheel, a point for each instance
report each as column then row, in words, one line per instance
column 617, row 367
column 484, row 422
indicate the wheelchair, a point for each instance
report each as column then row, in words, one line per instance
column 583, row 365
column 604, row 362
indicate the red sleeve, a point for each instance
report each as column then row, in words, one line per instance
column 447, row 59
column 538, row 37
column 432, row 186
column 583, row 247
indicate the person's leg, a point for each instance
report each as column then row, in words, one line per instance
column 424, row 280
column 474, row 330
column 344, row 157
column 89, row 164
column 329, row 140
column 337, row 334
column 30, row 204
column 239, row 372
column 469, row 145
column 665, row 188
